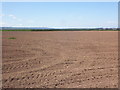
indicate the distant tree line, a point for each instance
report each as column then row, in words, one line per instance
column 73, row 29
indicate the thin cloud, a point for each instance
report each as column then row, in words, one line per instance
column 1, row 15
column 20, row 24
column 12, row 16
column 2, row 24
column 15, row 17
column 19, row 21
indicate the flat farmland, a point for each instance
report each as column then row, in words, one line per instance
column 60, row 59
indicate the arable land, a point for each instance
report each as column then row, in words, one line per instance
column 60, row 59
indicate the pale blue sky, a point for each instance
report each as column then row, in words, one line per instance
column 60, row 14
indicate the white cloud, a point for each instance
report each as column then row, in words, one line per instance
column 12, row 16
column 14, row 20
column 15, row 17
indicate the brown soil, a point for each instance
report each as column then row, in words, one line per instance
column 61, row 59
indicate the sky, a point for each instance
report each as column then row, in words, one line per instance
column 60, row 14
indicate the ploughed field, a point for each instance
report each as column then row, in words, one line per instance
column 60, row 59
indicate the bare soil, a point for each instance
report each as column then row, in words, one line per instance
column 60, row 59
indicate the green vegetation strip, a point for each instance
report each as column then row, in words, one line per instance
column 11, row 38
